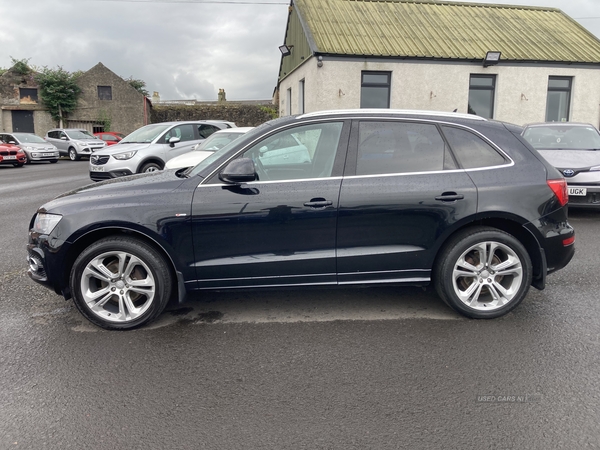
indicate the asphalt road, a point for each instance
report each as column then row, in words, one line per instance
column 379, row 368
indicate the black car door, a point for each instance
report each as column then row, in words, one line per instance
column 281, row 228
column 402, row 191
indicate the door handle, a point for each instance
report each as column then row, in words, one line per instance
column 449, row 197
column 318, row 203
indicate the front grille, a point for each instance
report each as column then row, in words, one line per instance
column 99, row 176
column 99, row 160
column 8, row 152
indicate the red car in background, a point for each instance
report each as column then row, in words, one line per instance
column 11, row 154
column 110, row 137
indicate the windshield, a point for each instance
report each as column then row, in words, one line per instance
column 30, row 138
column 80, row 134
column 217, row 140
column 563, row 137
column 208, row 161
column 146, row 134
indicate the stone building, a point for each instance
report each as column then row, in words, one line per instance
column 107, row 99
column 106, row 102
column 20, row 106
column 514, row 63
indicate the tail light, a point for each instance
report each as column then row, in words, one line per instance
column 559, row 187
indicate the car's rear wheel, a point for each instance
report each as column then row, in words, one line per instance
column 150, row 167
column 120, row 283
column 483, row 273
column 73, row 156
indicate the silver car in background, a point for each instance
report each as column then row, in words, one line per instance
column 74, row 142
column 574, row 149
column 34, row 146
column 149, row 148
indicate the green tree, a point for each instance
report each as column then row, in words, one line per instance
column 21, row 66
column 138, row 85
column 58, row 92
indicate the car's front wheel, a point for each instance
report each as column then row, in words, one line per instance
column 54, row 161
column 483, row 273
column 150, row 167
column 73, row 156
column 120, row 283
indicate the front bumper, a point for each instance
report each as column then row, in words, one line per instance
column 101, row 176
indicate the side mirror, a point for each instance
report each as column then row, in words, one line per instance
column 64, row 138
column 174, row 140
column 12, row 142
column 238, row 171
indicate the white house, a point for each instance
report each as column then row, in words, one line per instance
column 423, row 54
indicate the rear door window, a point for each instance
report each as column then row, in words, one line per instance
column 471, row 150
column 388, row 147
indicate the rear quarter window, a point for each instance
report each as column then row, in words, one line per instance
column 470, row 150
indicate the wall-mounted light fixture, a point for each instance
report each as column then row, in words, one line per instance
column 319, row 61
column 491, row 58
column 286, row 50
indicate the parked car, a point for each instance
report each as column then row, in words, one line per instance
column 574, row 149
column 462, row 203
column 35, row 148
column 148, row 148
column 110, row 137
column 74, row 142
column 214, row 142
column 11, row 154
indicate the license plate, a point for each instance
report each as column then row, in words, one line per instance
column 96, row 169
column 10, row 157
column 577, row 192
column 48, row 154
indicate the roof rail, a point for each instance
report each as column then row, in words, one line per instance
column 384, row 111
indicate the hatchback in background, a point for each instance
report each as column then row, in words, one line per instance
column 35, row 148
column 13, row 155
column 148, row 149
column 110, row 137
column 74, row 142
column 214, row 142
column 385, row 198
column 574, row 149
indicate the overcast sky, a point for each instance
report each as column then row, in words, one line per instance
column 183, row 49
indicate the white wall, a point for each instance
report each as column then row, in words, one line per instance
column 521, row 90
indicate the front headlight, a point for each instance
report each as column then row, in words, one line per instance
column 44, row 223
column 29, row 148
column 126, row 155
column 594, row 169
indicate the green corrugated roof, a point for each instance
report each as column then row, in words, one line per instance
column 446, row 30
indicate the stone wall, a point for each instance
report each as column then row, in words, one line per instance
column 124, row 111
column 244, row 115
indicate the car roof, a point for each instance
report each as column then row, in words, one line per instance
column 240, row 130
column 391, row 112
column 559, row 124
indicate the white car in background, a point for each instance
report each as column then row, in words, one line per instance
column 203, row 150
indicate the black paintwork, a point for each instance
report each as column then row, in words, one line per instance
column 344, row 229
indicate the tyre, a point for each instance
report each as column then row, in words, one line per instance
column 150, row 167
column 73, row 156
column 483, row 273
column 18, row 164
column 53, row 161
column 120, row 283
